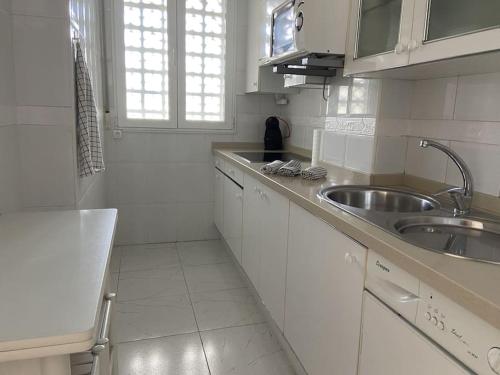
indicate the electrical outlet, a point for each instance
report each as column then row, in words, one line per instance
column 117, row 134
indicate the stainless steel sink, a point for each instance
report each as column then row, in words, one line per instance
column 462, row 237
column 376, row 198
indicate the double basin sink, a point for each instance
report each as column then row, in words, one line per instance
column 420, row 220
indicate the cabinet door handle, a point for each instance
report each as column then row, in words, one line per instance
column 103, row 339
column 350, row 259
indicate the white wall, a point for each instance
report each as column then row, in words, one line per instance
column 85, row 18
column 43, row 79
column 44, row 98
column 462, row 112
column 9, row 197
column 162, row 182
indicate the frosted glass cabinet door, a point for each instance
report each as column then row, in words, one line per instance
column 379, row 33
column 450, row 28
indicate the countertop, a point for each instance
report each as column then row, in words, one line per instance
column 52, row 273
column 473, row 285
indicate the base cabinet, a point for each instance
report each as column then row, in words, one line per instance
column 324, row 291
column 233, row 216
column 265, row 232
column 219, row 200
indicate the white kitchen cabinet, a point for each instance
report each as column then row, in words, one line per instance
column 378, row 34
column 261, row 79
column 397, row 33
column 449, row 28
column 233, row 216
column 219, row 199
column 265, row 236
column 274, row 238
column 250, row 259
column 325, row 277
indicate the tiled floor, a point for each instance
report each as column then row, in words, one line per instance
column 184, row 309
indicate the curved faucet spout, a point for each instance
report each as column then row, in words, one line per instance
column 462, row 197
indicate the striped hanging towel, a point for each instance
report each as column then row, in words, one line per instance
column 272, row 168
column 90, row 159
column 290, row 169
column 314, row 173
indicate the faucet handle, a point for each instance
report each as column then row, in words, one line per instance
column 451, row 190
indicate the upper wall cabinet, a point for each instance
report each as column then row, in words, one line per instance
column 450, row 28
column 261, row 78
column 385, row 34
column 379, row 31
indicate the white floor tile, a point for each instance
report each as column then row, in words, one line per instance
column 153, row 317
column 148, row 257
column 151, row 283
column 248, row 350
column 199, row 253
column 213, row 277
column 226, row 308
column 176, row 355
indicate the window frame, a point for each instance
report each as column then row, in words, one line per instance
column 176, row 75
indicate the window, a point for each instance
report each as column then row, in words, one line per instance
column 174, row 63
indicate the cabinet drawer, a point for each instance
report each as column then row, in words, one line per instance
column 233, row 172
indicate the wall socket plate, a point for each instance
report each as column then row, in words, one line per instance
column 117, row 134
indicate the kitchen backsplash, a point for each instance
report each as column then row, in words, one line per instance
column 374, row 126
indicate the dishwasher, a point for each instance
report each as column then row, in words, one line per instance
column 410, row 329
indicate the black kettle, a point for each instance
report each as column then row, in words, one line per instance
column 273, row 140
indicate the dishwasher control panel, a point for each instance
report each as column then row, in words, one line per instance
column 470, row 339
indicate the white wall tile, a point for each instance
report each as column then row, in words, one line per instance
column 7, row 86
column 427, row 163
column 359, row 153
column 47, row 165
column 434, row 98
column 9, row 169
column 483, row 161
column 191, row 181
column 395, row 99
column 478, row 97
column 162, row 223
column 94, row 195
column 390, row 155
column 307, row 103
column 249, row 127
column 43, row 62
column 42, row 8
column 132, row 225
column 333, row 148
column 465, row 131
column 298, row 136
column 37, row 115
column 195, row 221
column 5, row 6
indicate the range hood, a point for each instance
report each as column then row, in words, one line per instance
column 311, row 65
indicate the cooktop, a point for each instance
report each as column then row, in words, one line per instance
column 269, row 156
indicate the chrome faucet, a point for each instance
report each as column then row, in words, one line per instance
column 461, row 196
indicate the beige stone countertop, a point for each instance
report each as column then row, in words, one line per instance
column 474, row 285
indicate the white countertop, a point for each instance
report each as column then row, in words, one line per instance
column 52, row 273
